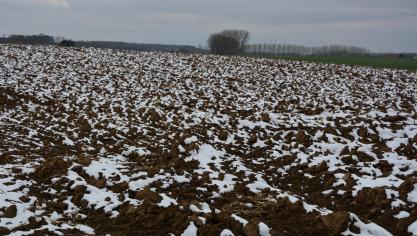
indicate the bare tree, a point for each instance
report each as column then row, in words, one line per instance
column 221, row 44
column 229, row 41
column 242, row 36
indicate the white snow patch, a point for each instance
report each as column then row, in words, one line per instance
column 140, row 151
column 191, row 230
column 207, row 154
column 412, row 196
column 402, row 214
column 370, row 229
column 68, row 142
column 191, row 139
column 413, row 228
column 264, row 229
column 166, row 201
column 226, row 232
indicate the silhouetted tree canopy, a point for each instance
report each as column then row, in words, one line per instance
column 220, row 44
column 242, row 36
column 228, row 42
column 67, row 43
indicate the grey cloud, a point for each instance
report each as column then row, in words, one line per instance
column 52, row 3
column 381, row 25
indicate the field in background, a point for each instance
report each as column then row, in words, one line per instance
column 372, row 61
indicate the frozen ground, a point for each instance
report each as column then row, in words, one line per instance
column 99, row 141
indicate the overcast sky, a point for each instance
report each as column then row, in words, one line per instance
column 379, row 25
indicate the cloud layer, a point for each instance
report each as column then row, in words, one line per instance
column 381, row 25
column 52, row 3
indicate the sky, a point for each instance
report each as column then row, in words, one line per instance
column 379, row 25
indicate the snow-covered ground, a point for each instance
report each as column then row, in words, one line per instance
column 99, row 141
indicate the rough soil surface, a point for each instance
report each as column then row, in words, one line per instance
column 97, row 141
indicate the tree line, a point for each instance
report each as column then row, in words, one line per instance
column 226, row 42
column 291, row 49
column 28, row 39
column 43, row 39
column 235, row 42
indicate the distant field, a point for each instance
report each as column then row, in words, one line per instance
column 378, row 62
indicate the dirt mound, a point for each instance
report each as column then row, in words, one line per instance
column 84, row 160
column 406, row 187
column 218, row 222
column 147, row 195
column 223, row 135
column 371, row 201
column 52, row 167
column 336, row 222
column 147, row 218
column 285, row 216
column 303, row 138
column 10, row 212
column 396, row 118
